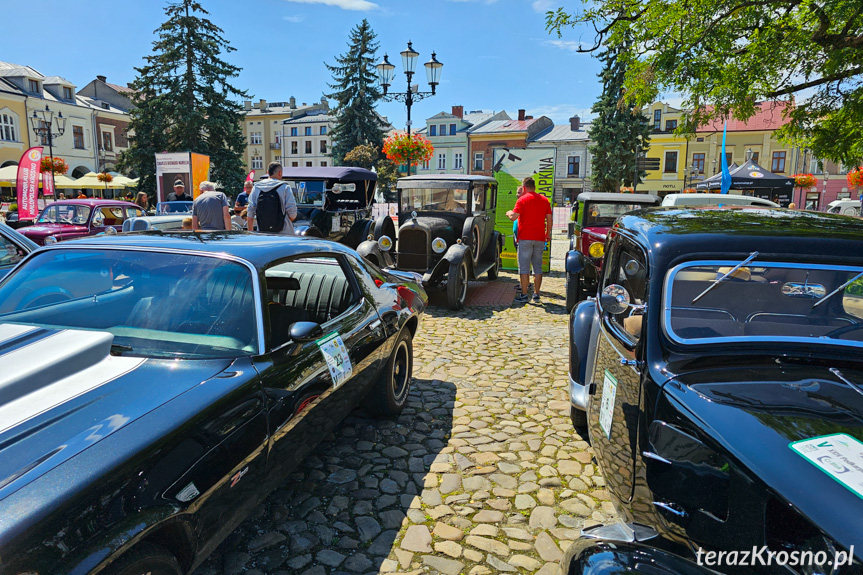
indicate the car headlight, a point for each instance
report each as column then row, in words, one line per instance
column 385, row 243
column 438, row 245
column 596, row 250
column 50, row 240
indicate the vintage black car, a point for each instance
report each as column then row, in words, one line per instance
column 722, row 374
column 446, row 232
column 592, row 215
column 156, row 387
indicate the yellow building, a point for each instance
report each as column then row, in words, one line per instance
column 268, row 139
column 14, row 126
column 668, row 148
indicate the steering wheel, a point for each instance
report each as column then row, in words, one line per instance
column 46, row 296
column 844, row 329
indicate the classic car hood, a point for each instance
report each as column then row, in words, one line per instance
column 61, row 392
column 435, row 226
column 42, row 230
column 757, row 413
column 597, row 230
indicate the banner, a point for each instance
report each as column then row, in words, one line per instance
column 200, row 172
column 47, row 183
column 510, row 167
column 171, row 167
column 251, row 176
column 27, row 183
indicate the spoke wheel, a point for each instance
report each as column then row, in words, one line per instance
column 456, row 289
column 495, row 269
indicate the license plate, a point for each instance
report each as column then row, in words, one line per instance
column 606, row 407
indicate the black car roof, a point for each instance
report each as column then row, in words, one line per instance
column 342, row 173
column 257, row 249
column 672, row 233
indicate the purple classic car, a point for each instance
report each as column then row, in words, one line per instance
column 69, row 219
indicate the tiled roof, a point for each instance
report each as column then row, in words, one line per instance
column 57, row 80
column 497, row 126
column 16, row 71
column 563, row 133
column 121, row 89
column 97, row 105
column 768, row 116
column 477, row 117
column 310, row 118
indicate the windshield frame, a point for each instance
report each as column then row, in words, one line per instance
column 459, row 187
column 57, row 206
column 256, row 280
column 665, row 317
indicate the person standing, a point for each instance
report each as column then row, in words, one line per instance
column 533, row 212
column 179, row 194
column 142, row 200
column 210, row 210
column 272, row 205
column 243, row 198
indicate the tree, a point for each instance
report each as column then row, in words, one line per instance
column 362, row 156
column 620, row 132
column 368, row 157
column 388, row 175
column 724, row 56
column 355, row 94
column 185, row 101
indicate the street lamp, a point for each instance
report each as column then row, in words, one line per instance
column 386, row 73
column 715, row 162
column 42, row 122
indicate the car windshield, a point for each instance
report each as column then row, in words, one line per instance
column 605, row 214
column 308, row 192
column 173, row 207
column 65, row 214
column 764, row 302
column 156, row 304
column 434, row 200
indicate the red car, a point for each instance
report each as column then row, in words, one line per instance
column 67, row 219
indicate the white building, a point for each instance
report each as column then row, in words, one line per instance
column 572, row 158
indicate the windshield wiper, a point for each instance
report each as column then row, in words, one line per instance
column 837, row 290
column 117, row 349
column 717, row 281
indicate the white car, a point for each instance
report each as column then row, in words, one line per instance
column 844, row 207
column 699, row 199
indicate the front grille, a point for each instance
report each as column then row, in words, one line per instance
column 413, row 247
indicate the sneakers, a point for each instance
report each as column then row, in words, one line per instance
column 522, row 298
column 536, row 297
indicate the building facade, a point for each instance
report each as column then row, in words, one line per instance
column 264, row 131
column 448, row 133
column 667, row 147
column 111, row 104
column 502, row 134
column 572, row 158
column 14, row 127
column 305, row 141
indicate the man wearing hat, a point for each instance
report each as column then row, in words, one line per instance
column 179, row 194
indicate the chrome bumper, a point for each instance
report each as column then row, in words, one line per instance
column 577, row 394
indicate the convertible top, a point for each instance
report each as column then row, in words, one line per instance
column 340, row 173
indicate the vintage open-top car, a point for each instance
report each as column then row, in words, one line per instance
column 721, row 370
column 156, row 387
column 592, row 214
column 68, row 219
column 446, row 232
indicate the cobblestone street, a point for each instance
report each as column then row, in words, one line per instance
column 481, row 474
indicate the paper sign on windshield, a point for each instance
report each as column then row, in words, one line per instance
column 336, row 355
column 839, row 455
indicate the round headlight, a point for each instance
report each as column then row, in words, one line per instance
column 438, row 245
column 50, row 240
column 596, row 250
column 385, row 243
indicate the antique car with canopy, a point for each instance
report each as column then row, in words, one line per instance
column 722, row 377
column 68, row 219
column 156, row 387
column 446, row 232
column 592, row 214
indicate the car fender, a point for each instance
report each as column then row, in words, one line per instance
column 307, row 230
column 574, row 262
column 371, row 251
column 454, row 255
column 495, row 244
column 600, row 557
column 581, row 327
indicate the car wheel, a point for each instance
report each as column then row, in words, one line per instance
column 456, row 285
column 389, row 395
column 145, row 559
column 475, row 244
column 495, row 269
column 579, row 418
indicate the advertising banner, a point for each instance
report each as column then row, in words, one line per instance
column 47, row 184
column 27, row 183
column 200, row 172
column 511, row 166
column 169, row 168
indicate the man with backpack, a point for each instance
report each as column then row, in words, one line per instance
column 272, row 204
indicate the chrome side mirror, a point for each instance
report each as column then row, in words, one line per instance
column 614, row 299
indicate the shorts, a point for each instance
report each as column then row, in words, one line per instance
column 530, row 253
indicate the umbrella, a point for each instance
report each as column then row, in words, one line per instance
column 124, row 181
column 9, row 177
column 91, row 181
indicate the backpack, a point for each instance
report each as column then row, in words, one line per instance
column 269, row 212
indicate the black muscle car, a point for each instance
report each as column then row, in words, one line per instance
column 155, row 388
column 721, row 370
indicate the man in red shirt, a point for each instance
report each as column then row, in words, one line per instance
column 533, row 212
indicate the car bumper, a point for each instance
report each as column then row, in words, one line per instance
column 578, row 394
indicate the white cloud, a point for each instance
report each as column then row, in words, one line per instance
column 294, row 19
column 542, row 6
column 359, row 5
column 571, row 45
column 465, row 1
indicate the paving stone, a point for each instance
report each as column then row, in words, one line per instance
column 330, row 557
column 488, row 516
column 358, row 563
column 487, row 544
column 448, row 532
column 499, row 565
column 524, row 502
column 450, row 548
column 450, row 482
column 368, row 528
column 265, row 540
column 485, row 530
column 547, row 548
column 417, row 538
column 548, row 569
column 446, row 566
column 543, row 518
column 342, row 476
column 524, row 562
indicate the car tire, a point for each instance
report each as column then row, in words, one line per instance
column 578, row 418
column 456, row 285
column 145, row 559
column 389, row 394
column 495, row 269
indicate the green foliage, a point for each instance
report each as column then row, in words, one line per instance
column 185, row 101
column 362, row 156
column 724, row 56
column 388, row 175
column 355, row 94
column 619, row 132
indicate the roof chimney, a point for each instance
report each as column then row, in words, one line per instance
column 521, row 115
column 528, row 117
column 247, row 105
column 263, row 105
column 458, row 111
column 292, row 102
column 574, row 123
column 102, row 79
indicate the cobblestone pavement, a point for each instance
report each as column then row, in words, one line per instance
column 481, row 474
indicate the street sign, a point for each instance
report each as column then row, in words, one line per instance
column 648, row 164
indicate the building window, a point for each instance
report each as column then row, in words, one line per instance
column 308, row 146
column 778, row 164
column 294, row 147
column 478, row 161
column 8, row 129
column 257, row 163
column 107, row 142
column 308, row 130
column 443, row 129
column 457, row 161
column 308, row 164
column 255, row 138
column 67, row 93
column 33, row 85
column 728, row 158
column 657, row 119
column 293, row 131
column 755, row 157
column 323, row 146
column 295, row 164
column 573, row 166
column 323, row 130
column 424, row 165
column 432, row 130
column 670, row 162
column 78, row 136
column 670, row 125
column 452, row 129
column 323, row 164
column 441, row 161
column 698, row 162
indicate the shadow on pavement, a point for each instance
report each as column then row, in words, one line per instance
column 342, row 509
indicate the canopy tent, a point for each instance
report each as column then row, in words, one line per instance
column 708, row 183
column 91, row 181
column 751, row 176
column 9, row 177
column 124, row 181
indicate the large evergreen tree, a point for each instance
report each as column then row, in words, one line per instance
column 185, row 100
column 355, row 94
column 620, row 132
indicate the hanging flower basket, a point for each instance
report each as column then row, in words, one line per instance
column 690, row 191
column 626, row 189
column 804, row 180
column 855, row 178
column 399, row 148
column 105, row 177
column 58, row 166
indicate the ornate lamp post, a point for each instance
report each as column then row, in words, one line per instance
column 42, row 122
column 386, row 72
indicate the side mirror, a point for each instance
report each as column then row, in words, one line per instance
column 306, row 331
column 614, row 299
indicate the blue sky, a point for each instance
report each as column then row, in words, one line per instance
column 496, row 53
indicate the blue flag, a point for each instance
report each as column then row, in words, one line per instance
column 726, row 175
